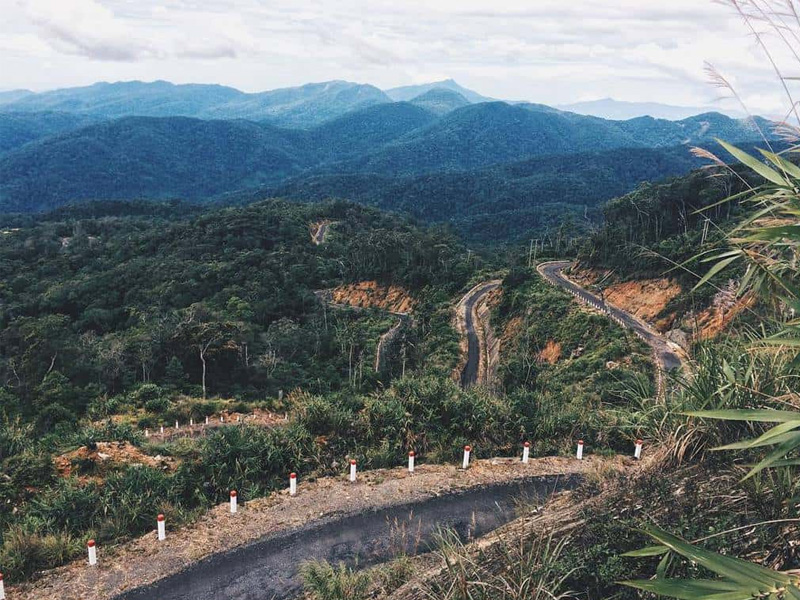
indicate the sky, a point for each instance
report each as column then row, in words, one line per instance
column 548, row 51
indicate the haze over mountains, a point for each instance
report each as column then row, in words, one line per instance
column 439, row 151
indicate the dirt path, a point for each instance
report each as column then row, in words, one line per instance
column 477, row 368
column 319, row 504
column 666, row 354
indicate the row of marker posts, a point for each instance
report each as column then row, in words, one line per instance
column 234, row 497
column 191, row 424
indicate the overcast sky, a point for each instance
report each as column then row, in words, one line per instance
column 549, row 51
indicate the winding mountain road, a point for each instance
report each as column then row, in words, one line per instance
column 270, row 567
column 476, row 343
column 666, row 357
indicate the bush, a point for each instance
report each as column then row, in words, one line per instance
column 25, row 552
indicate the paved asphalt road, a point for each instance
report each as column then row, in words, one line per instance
column 268, row 569
column 667, row 358
column 469, row 376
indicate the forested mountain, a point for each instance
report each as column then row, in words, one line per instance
column 17, row 129
column 501, row 202
column 608, row 108
column 198, row 159
column 440, row 101
column 147, row 157
column 492, row 168
column 409, row 92
column 299, row 106
column 13, row 95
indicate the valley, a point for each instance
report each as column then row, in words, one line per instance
column 556, row 318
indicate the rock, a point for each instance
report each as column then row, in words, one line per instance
column 679, row 337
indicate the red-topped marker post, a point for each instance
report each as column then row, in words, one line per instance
column 92, row 553
column 162, row 528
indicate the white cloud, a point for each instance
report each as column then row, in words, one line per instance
column 542, row 50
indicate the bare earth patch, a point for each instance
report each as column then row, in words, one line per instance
column 646, row 298
column 106, row 456
column 145, row 560
column 370, row 294
column 551, row 352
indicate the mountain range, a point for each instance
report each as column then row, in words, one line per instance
column 439, row 155
column 608, row 108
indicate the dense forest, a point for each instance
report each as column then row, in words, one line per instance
column 118, row 317
column 494, row 170
column 97, row 305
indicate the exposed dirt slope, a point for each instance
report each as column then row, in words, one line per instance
column 105, row 456
column 644, row 298
column 370, row 294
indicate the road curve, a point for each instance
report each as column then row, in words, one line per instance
column 269, row 568
column 467, row 308
column 666, row 357
column 319, row 235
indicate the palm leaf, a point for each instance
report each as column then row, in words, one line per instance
column 687, row 589
column 747, row 414
column 751, row 161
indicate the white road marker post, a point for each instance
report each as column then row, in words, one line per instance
column 92, row 553
column 526, row 452
column 162, row 528
column 465, row 462
column 191, row 422
column 353, row 469
column 234, row 502
column 162, row 429
column 292, row 484
column 579, row 454
column 147, row 433
column 176, row 425
column 411, row 457
column 2, row 588
column 206, row 420
column 637, row 450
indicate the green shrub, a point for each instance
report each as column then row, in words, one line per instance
column 25, row 552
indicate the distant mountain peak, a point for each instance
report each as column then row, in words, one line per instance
column 621, row 110
column 440, row 100
column 409, row 92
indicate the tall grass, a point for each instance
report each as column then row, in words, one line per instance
column 513, row 568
